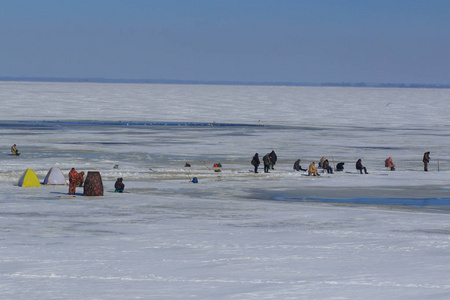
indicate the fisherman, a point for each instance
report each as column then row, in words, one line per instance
column 119, row 186
column 75, row 179
column 273, row 159
column 14, row 150
column 81, row 180
column 312, row 171
column 322, row 159
column 360, row 167
column 426, row 160
column 297, row 166
column 340, row 166
column 388, row 163
column 266, row 162
column 326, row 166
column 255, row 162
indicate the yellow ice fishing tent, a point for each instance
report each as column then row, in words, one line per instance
column 29, row 179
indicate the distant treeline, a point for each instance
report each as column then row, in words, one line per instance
column 218, row 82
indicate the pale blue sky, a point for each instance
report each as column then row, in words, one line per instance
column 382, row 41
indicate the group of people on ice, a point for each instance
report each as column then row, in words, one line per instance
column 270, row 159
column 76, row 179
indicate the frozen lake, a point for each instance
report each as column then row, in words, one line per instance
column 235, row 234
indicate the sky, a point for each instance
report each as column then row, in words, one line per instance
column 382, row 41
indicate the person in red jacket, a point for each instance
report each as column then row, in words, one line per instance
column 75, row 179
column 388, row 163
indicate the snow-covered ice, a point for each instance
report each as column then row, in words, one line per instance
column 235, row 234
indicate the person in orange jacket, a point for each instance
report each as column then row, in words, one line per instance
column 75, row 179
column 388, row 163
column 312, row 171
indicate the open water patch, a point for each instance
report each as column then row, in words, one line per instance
column 441, row 204
column 421, row 198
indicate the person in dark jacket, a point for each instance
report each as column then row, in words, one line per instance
column 256, row 162
column 360, row 167
column 266, row 162
column 326, row 166
column 297, row 166
column 119, row 186
column 340, row 166
column 273, row 159
column 426, row 160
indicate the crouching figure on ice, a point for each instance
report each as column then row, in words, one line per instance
column 388, row 163
column 297, row 166
column 75, row 179
column 119, row 186
column 312, row 171
column 326, row 167
column 360, row 167
column 14, row 150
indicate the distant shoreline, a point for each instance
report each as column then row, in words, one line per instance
column 223, row 82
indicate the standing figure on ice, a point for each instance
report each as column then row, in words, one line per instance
column 426, row 160
column 255, row 162
column 266, row 162
column 75, row 179
column 360, row 167
column 273, row 159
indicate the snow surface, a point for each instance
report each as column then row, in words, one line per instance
column 235, row 234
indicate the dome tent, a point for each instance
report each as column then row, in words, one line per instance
column 29, row 179
column 54, row 176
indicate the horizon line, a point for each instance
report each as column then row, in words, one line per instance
column 219, row 82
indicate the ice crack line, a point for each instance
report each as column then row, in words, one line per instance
column 153, row 277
